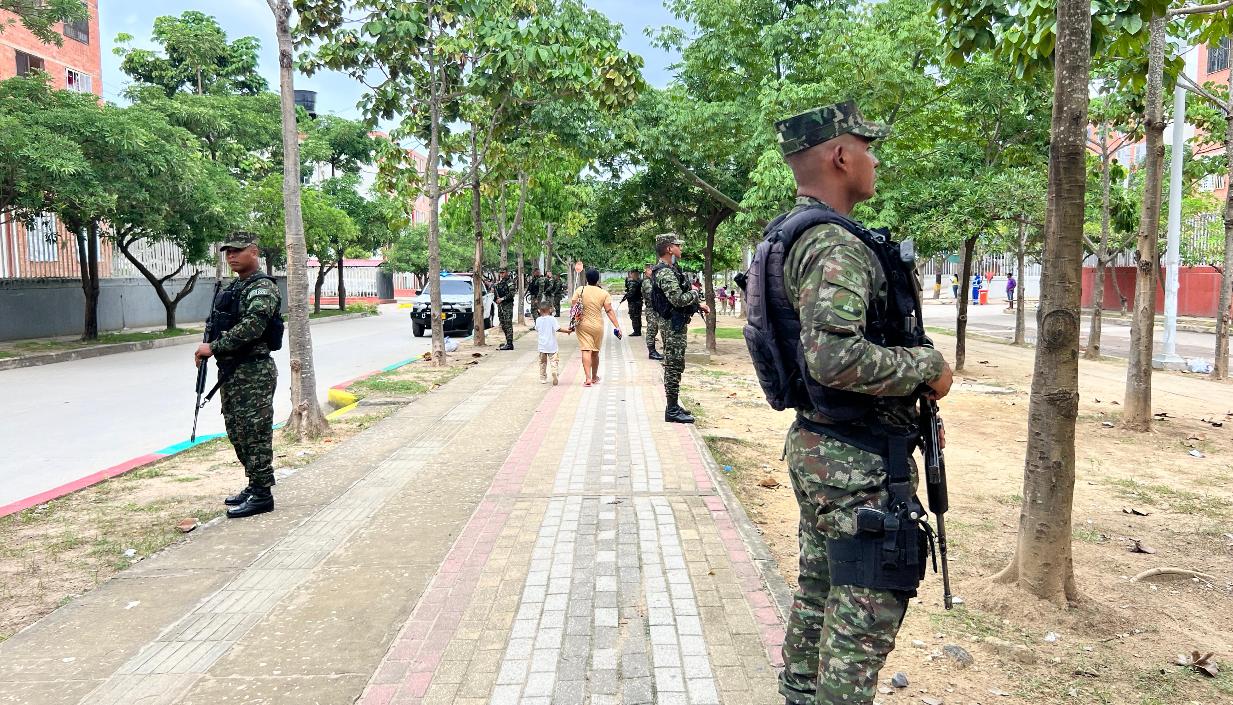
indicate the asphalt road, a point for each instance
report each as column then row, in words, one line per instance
column 65, row 421
column 995, row 320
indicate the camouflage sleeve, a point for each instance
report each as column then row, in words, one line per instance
column 678, row 297
column 832, row 280
column 260, row 304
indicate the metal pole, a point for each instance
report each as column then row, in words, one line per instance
column 1168, row 356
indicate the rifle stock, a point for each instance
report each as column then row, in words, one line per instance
column 935, row 481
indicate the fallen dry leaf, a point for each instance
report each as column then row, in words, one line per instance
column 187, row 525
column 1138, row 546
column 1136, row 512
column 769, row 483
column 1203, row 663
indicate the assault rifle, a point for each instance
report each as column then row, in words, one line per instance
column 203, row 366
column 935, row 480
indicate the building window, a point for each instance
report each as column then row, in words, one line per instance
column 1218, row 56
column 41, row 239
column 79, row 30
column 27, row 63
column 78, row 81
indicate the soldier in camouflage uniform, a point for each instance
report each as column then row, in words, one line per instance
column 633, row 296
column 558, row 293
column 838, row 636
column 671, row 288
column 247, row 375
column 648, row 311
column 504, row 294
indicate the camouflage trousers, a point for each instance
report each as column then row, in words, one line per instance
column 505, row 312
column 652, row 326
column 674, row 358
column 635, row 316
column 248, row 412
column 837, row 637
column 556, row 307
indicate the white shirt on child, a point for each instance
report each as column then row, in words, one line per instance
column 546, row 327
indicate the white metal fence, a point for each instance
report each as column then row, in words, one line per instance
column 359, row 281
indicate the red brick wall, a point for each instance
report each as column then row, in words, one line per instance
column 1198, row 289
column 86, row 58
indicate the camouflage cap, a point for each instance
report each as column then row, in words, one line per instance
column 667, row 239
column 813, row 127
column 239, row 240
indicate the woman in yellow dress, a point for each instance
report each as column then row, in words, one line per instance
column 596, row 301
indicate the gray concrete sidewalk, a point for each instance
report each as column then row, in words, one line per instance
column 497, row 542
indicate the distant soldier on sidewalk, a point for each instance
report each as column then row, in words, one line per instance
column 504, row 294
column 558, row 292
column 245, row 325
column 676, row 303
column 633, row 297
column 652, row 319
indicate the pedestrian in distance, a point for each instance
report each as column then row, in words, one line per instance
column 596, row 301
column 654, row 326
column 504, row 294
column 676, row 302
column 245, row 326
column 839, row 303
column 721, row 299
column 1010, row 290
column 546, row 329
column 558, row 292
column 732, row 301
column 954, row 286
column 633, row 297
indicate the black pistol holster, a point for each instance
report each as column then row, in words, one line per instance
column 891, row 546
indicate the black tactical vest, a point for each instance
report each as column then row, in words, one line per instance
column 773, row 330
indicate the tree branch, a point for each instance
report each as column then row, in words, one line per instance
column 1189, row 84
column 710, row 190
column 1200, row 9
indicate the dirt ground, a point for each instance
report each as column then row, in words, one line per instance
column 51, row 553
column 1120, row 645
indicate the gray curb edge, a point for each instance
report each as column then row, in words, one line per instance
column 765, row 563
column 116, row 348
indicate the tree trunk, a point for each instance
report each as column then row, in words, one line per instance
column 160, row 290
column 1043, row 563
column 1137, row 415
column 321, row 272
column 1220, row 366
column 434, row 221
column 549, row 230
column 306, row 420
column 477, row 269
column 1102, row 252
column 342, row 284
column 961, row 319
column 1020, row 256
column 87, row 263
column 520, row 313
column 708, row 284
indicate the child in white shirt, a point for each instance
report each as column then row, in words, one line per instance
column 546, row 328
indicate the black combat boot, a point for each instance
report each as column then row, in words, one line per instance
column 653, row 354
column 505, row 346
column 673, row 413
column 259, row 502
column 239, row 498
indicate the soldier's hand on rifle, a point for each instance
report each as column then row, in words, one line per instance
column 940, row 387
column 203, row 351
column 704, row 308
column 941, row 434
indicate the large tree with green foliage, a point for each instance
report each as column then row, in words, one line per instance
column 195, row 57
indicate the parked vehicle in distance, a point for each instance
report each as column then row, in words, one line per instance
column 457, row 305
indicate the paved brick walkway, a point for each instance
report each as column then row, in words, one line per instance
column 598, row 564
column 602, row 567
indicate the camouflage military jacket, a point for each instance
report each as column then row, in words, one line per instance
column 833, row 280
column 261, row 301
column 633, row 290
column 647, row 286
column 504, row 291
column 681, row 297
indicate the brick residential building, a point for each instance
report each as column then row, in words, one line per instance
column 43, row 248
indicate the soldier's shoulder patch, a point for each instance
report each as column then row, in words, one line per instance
column 848, row 305
column 265, row 287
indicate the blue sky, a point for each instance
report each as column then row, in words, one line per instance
column 335, row 92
